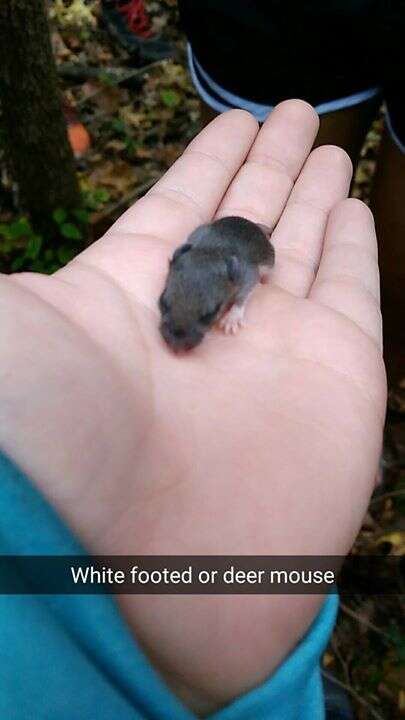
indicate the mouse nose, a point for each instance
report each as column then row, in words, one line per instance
column 179, row 333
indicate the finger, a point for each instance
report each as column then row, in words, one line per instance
column 298, row 237
column 186, row 196
column 191, row 190
column 348, row 279
column 261, row 187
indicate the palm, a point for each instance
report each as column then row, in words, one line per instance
column 264, row 443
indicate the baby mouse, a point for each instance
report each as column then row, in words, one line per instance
column 211, row 277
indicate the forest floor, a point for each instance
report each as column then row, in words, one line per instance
column 139, row 117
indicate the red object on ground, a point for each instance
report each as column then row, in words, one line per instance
column 136, row 17
column 79, row 137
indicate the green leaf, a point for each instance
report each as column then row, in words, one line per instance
column 35, row 266
column 130, row 145
column 18, row 263
column 59, row 215
column 33, row 247
column 398, row 639
column 71, row 231
column 119, row 126
column 94, row 198
column 20, row 228
column 51, row 269
column 106, row 78
column 170, row 98
column 6, row 246
column 101, row 196
column 65, row 254
column 5, row 231
column 81, row 215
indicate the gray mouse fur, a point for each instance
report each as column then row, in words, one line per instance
column 210, row 278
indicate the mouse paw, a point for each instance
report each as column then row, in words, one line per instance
column 264, row 274
column 232, row 321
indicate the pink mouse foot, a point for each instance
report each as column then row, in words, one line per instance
column 264, row 274
column 232, row 321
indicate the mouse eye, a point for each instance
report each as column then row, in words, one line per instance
column 209, row 317
column 163, row 304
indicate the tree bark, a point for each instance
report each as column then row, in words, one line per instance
column 37, row 149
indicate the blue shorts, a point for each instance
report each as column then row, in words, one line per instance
column 252, row 55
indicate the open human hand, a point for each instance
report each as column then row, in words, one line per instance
column 263, row 443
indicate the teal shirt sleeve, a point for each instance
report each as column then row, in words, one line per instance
column 72, row 657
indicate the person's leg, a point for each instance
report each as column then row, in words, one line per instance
column 347, row 128
column 388, row 205
column 207, row 113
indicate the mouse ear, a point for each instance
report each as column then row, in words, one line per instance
column 264, row 229
column 180, row 251
column 233, row 268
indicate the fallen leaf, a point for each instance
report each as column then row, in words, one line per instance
column 116, row 145
column 144, row 153
column 136, row 119
column 77, row 13
column 60, row 49
column 397, row 541
column 328, row 659
column 118, row 176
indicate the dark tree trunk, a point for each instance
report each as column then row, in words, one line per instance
column 36, row 144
